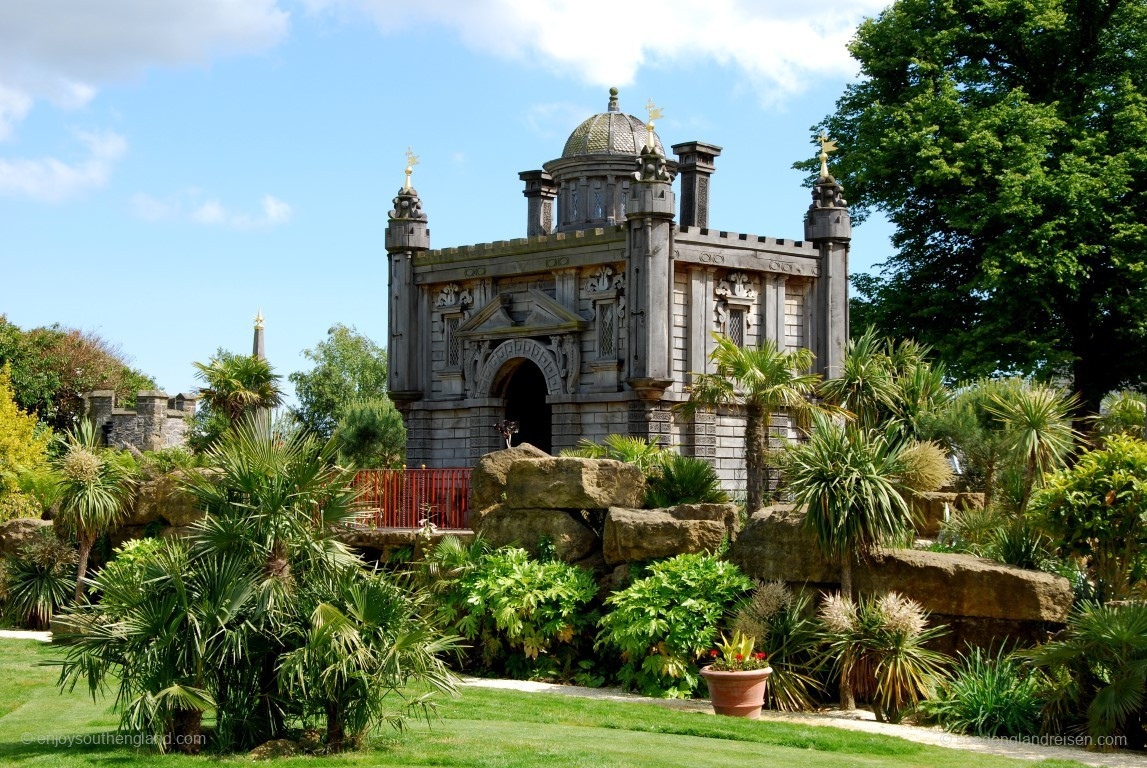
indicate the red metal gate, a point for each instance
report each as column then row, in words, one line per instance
column 402, row 498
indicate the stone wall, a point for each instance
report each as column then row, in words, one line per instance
column 157, row 421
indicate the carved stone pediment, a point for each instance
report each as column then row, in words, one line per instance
column 546, row 317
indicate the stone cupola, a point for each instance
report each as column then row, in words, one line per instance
column 591, row 178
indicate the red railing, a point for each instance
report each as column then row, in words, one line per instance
column 402, row 498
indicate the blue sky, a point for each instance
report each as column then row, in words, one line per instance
column 168, row 168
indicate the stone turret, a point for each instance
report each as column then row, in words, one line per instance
column 540, row 192
column 407, row 234
column 829, row 226
column 649, row 212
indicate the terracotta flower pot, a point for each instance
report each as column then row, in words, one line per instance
column 737, row 694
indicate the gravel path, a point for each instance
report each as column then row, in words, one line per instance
column 23, row 634
column 859, row 720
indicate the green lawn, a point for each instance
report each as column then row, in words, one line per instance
column 487, row 728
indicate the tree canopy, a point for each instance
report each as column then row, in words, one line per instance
column 53, row 367
column 1007, row 143
column 349, row 367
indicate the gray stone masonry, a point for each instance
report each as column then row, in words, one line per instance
column 595, row 322
column 157, row 422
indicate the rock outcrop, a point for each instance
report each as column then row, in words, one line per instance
column 570, row 483
column 163, row 498
column 931, row 510
column 633, row 535
column 981, row 601
column 488, row 480
column 15, row 533
column 573, row 539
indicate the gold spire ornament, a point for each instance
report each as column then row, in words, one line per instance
column 411, row 161
column 259, row 318
column 826, row 146
column 655, row 113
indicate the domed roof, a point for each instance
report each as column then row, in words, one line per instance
column 610, row 133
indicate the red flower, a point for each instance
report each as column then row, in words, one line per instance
column 758, row 655
column 713, row 653
column 740, row 657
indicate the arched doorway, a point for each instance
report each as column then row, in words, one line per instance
column 524, row 392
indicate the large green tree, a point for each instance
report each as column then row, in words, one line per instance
column 349, row 367
column 1007, row 143
column 52, row 368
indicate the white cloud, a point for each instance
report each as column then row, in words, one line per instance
column 778, row 44
column 14, row 106
column 51, row 179
column 191, row 205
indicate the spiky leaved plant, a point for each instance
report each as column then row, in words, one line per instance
column 93, row 490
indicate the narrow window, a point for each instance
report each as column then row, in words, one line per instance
column 736, row 327
column 606, row 330
column 453, row 343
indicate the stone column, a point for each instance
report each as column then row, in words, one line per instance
column 828, row 225
column 407, row 234
column 649, row 275
column 695, row 165
column 540, row 192
column 773, row 309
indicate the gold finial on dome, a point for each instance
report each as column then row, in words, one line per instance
column 259, row 318
column 411, row 161
column 655, row 113
column 826, row 146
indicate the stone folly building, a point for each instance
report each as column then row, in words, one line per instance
column 594, row 322
column 156, row 422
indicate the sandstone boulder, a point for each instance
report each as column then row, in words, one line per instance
column 963, row 585
column 15, row 533
column 775, row 546
column 164, row 498
column 572, row 483
column 503, row 525
column 929, row 508
column 488, row 480
column 633, row 535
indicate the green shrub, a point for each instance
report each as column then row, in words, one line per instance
column 155, row 463
column 646, row 455
column 880, row 645
column 924, row 467
column 1018, row 543
column 990, row 696
column 1097, row 665
column 1095, row 511
column 787, row 631
column 683, row 480
column 36, row 583
column 662, row 623
column 972, row 530
column 16, row 505
column 525, row 618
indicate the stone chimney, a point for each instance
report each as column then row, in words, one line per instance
column 695, row 166
column 540, row 192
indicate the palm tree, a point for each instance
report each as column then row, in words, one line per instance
column 1037, row 429
column 93, row 488
column 238, row 385
column 846, row 479
column 1123, row 413
column 866, row 385
column 762, row 381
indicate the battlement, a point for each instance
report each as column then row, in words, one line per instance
column 156, row 422
column 534, row 244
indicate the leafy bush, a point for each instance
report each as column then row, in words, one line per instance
column 36, row 583
column 990, row 696
column 924, row 467
column 787, row 631
column 16, row 505
column 370, row 434
column 155, row 463
column 684, row 480
column 879, row 645
column 972, row 529
column 646, row 455
column 1019, row 543
column 663, row 622
column 1097, row 666
column 1095, row 510
column 526, row 618
column 42, row 484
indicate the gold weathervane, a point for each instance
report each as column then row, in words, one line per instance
column 259, row 318
column 826, row 146
column 655, row 113
column 411, row 161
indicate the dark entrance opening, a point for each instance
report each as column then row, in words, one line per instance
column 526, row 404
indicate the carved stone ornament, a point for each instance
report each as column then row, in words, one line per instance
column 604, row 279
column 567, row 354
column 828, row 194
column 651, row 166
column 736, row 285
column 407, row 205
column 474, row 357
column 453, row 295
